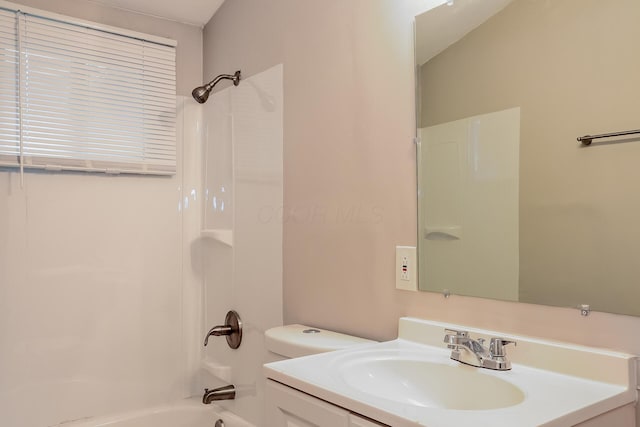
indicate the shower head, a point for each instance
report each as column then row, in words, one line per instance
column 201, row 93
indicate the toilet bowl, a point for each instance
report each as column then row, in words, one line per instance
column 289, row 341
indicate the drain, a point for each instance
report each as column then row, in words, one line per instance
column 219, row 423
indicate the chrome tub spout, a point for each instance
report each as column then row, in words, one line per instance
column 227, row 392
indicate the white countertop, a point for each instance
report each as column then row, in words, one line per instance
column 563, row 385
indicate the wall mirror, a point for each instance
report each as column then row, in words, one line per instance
column 511, row 205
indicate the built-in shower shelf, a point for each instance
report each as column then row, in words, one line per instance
column 218, row 370
column 221, row 235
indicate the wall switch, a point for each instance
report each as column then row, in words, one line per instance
column 406, row 268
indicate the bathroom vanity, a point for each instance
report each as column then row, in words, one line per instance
column 287, row 407
column 412, row 381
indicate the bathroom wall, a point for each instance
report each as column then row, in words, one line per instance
column 349, row 175
column 97, row 293
column 349, row 169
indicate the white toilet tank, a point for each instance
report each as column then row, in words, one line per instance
column 298, row 340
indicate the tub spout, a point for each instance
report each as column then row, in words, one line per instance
column 227, row 392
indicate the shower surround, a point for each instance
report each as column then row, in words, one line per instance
column 242, row 250
column 107, row 283
column 92, row 290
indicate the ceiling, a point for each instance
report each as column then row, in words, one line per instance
column 194, row 12
column 446, row 21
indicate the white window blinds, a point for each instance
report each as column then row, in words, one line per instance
column 9, row 69
column 80, row 98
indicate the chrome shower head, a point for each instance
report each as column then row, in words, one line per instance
column 201, row 93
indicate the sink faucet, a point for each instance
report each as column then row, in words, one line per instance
column 227, row 392
column 472, row 352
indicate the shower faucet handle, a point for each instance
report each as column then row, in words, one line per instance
column 232, row 329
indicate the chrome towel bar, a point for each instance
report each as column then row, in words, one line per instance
column 587, row 139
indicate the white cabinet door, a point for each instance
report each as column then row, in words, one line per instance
column 286, row 407
column 356, row 421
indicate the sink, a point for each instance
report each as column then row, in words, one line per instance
column 412, row 382
column 418, row 382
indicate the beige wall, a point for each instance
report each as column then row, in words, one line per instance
column 578, row 216
column 348, row 150
column 348, row 154
column 189, row 37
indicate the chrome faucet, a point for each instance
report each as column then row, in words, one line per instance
column 227, row 392
column 472, row 352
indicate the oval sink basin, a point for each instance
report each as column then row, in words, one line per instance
column 431, row 384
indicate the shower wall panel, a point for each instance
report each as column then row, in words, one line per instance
column 91, row 292
column 245, row 130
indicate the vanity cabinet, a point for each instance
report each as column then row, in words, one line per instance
column 287, row 407
column 357, row 421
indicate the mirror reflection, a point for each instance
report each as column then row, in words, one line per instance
column 511, row 205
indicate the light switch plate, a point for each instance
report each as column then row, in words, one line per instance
column 406, row 268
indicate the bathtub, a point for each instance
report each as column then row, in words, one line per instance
column 185, row 413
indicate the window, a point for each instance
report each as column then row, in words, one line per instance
column 75, row 96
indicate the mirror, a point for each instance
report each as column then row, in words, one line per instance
column 511, row 206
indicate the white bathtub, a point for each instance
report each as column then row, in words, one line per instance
column 185, row 413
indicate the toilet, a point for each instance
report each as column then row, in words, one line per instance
column 289, row 341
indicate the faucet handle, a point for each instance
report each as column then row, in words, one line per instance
column 496, row 346
column 232, row 329
column 452, row 338
column 456, row 332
